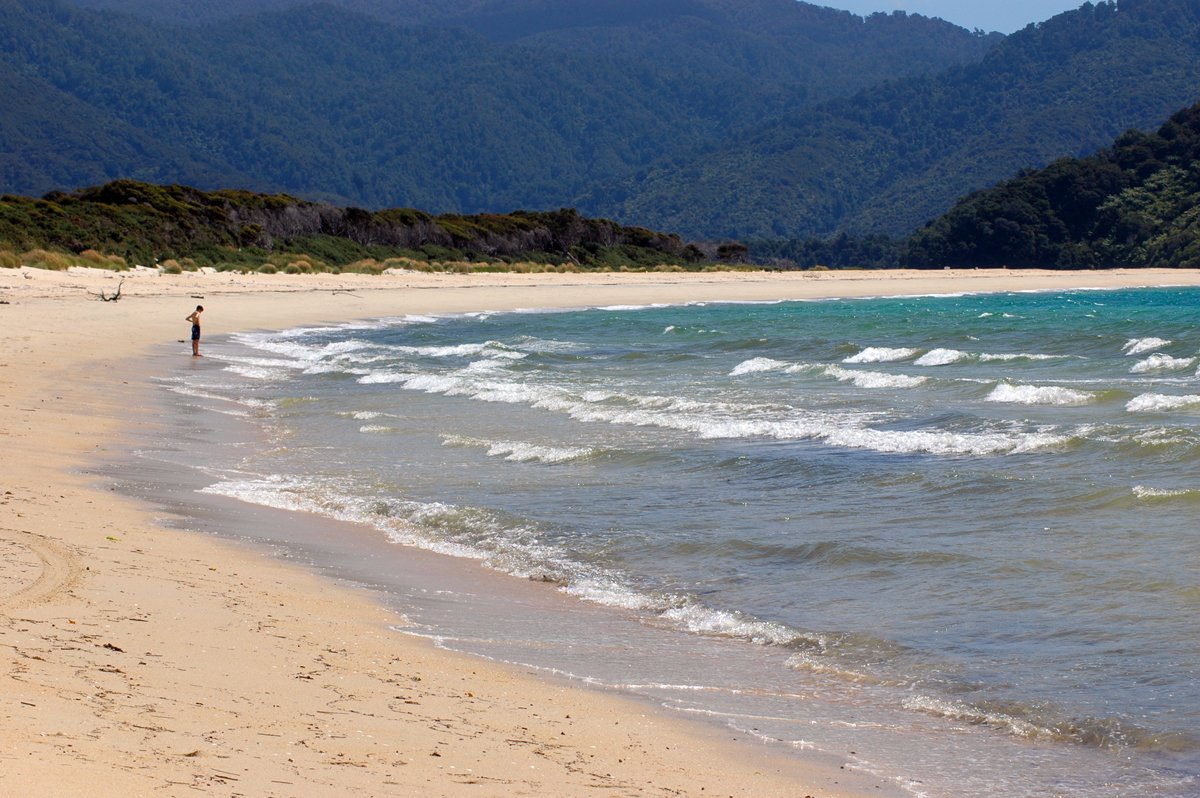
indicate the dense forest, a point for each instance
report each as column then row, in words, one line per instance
column 329, row 102
column 127, row 223
column 894, row 156
column 1134, row 204
column 811, row 134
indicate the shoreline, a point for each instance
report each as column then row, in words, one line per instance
column 157, row 660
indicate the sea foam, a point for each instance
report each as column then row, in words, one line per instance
column 880, row 354
column 941, row 357
column 1157, row 403
column 522, row 452
column 1161, row 362
column 1039, row 395
column 874, row 379
column 757, row 365
column 1136, row 346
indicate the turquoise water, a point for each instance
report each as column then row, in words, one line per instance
column 970, row 516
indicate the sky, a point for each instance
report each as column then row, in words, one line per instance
column 1005, row 16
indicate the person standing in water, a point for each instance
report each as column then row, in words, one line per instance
column 195, row 320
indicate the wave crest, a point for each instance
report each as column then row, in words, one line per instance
column 1039, row 395
column 880, row 354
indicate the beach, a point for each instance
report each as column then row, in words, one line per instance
column 142, row 659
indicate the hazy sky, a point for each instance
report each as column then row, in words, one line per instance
column 1005, row 16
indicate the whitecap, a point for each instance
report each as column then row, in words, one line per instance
column 384, row 377
column 494, row 349
column 880, row 354
column 1143, row 492
column 874, row 379
column 941, row 357
column 1161, row 362
column 942, row 443
column 1005, row 357
column 757, row 365
column 376, row 428
column 522, row 452
column 1157, row 402
column 1038, row 395
column 1136, row 346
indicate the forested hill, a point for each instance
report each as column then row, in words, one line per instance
column 897, row 155
column 332, row 102
column 128, row 223
column 1134, row 204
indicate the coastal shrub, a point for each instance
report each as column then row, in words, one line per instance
column 102, row 261
column 366, row 266
column 268, row 268
column 45, row 259
column 170, row 266
column 9, row 259
column 406, row 263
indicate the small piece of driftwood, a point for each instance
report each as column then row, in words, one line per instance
column 116, row 295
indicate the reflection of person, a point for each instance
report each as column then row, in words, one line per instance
column 195, row 320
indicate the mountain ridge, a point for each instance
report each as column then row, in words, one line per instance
column 896, row 155
column 321, row 102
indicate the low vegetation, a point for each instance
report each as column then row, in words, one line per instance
column 127, row 223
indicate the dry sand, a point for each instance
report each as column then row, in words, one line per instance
column 142, row 660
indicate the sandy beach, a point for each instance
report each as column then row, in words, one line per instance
column 143, row 660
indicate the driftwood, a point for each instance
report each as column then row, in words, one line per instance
column 114, row 297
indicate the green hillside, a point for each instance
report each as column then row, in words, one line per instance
column 331, row 103
column 1134, row 204
column 894, row 156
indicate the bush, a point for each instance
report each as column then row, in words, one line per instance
column 44, row 259
column 9, row 259
column 102, row 261
column 268, row 268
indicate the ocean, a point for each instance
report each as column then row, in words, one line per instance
column 952, row 540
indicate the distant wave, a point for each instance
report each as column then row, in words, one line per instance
column 1160, row 362
column 880, row 354
column 941, row 357
column 494, row 349
column 1007, row 357
column 377, row 429
column 1157, row 402
column 718, row 420
column 874, row 379
column 758, row 365
column 1143, row 492
column 1039, row 395
column 1136, row 346
column 861, row 379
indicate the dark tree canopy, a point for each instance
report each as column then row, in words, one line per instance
column 1134, row 204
